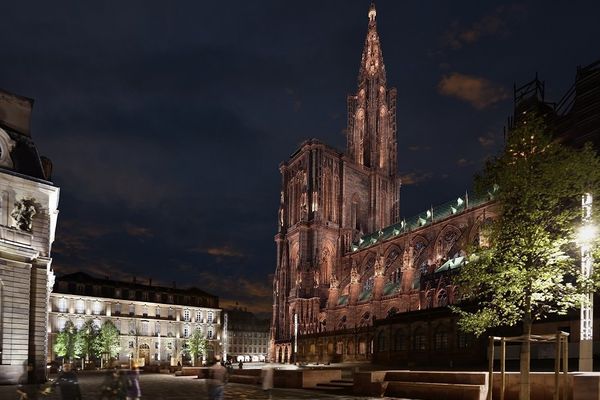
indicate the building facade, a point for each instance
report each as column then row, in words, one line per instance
column 154, row 322
column 28, row 217
column 353, row 282
column 248, row 336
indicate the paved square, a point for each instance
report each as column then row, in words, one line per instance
column 169, row 387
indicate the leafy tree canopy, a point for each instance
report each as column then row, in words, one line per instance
column 65, row 344
column 107, row 340
column 528, row 268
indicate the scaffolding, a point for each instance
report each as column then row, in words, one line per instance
column 561, row 357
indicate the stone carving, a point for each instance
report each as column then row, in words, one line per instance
column 333, row 282
column 317, row 278
column 354, row 277
column 281, row 217
column 23, row 214
column 303, row 206
column 380, row 266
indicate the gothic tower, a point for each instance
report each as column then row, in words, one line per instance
column 329, row 198
column 372, row 133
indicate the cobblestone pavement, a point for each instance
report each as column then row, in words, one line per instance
column 168, row 387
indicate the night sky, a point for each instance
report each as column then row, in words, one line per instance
column 166, row 121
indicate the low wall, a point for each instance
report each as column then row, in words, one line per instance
column 369, row 383
column 304, row 378
column 581, row 386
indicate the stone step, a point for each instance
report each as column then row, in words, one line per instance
column 350, row 381
column 338, row 384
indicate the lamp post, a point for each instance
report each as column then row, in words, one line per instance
column 586, row 236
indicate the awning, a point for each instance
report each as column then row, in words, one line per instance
column 451, row 264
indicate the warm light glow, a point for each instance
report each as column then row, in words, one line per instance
column 587, row 234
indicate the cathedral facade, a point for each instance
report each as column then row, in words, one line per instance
column 344, row 257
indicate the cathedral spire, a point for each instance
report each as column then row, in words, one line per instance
column 372, row 57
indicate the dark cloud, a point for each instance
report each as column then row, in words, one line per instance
column 477, row 91
column 495, row 23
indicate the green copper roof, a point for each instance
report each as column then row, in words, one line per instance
column 390, row 288
column 365, row 295
column 427, row 217
column 451, row 264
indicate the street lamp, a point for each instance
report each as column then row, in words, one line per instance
column 586, row 235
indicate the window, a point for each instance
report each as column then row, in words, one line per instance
column 144, row 328
column 132, row 327
column 118, row 309
column 440, row 341
column 209, row 317
column 186, row 331
column 156, row 345
column 464, row 340
column 399, row 341
column 131, row 309
column 97, row 323
column 118, row 325
column 169, row 346
column 79, row 323
column 158, row 312
column 118, row 293
column 198, row 316
column 419, row 341
column 79, row 306
column 131, row 344
column 145, row 311
column 62, row 305
column 170, row 312
column 442, row 298
column 97, row 307
column 157, row 328
column 60, row 324
column 210, row 334
column 186, row 315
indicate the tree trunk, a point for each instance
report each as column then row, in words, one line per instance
column 525, row 358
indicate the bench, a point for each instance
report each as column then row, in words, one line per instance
column 434, row 390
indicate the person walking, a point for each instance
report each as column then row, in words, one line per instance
column 29, row 386
column 267, row 380
column 68, row 383
column 218, row 376
column 134, row 391
column 113, row 387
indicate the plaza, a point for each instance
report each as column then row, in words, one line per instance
column 169, row 387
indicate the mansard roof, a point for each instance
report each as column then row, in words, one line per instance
column 15, row 116
column 87, row 279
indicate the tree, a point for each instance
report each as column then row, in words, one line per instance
column 196, row 345
column 86, row 340
column 528, row 268
column 107, row 342
column 65, row 345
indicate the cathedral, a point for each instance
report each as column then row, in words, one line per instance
column 354, row 281
column 344, row 257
